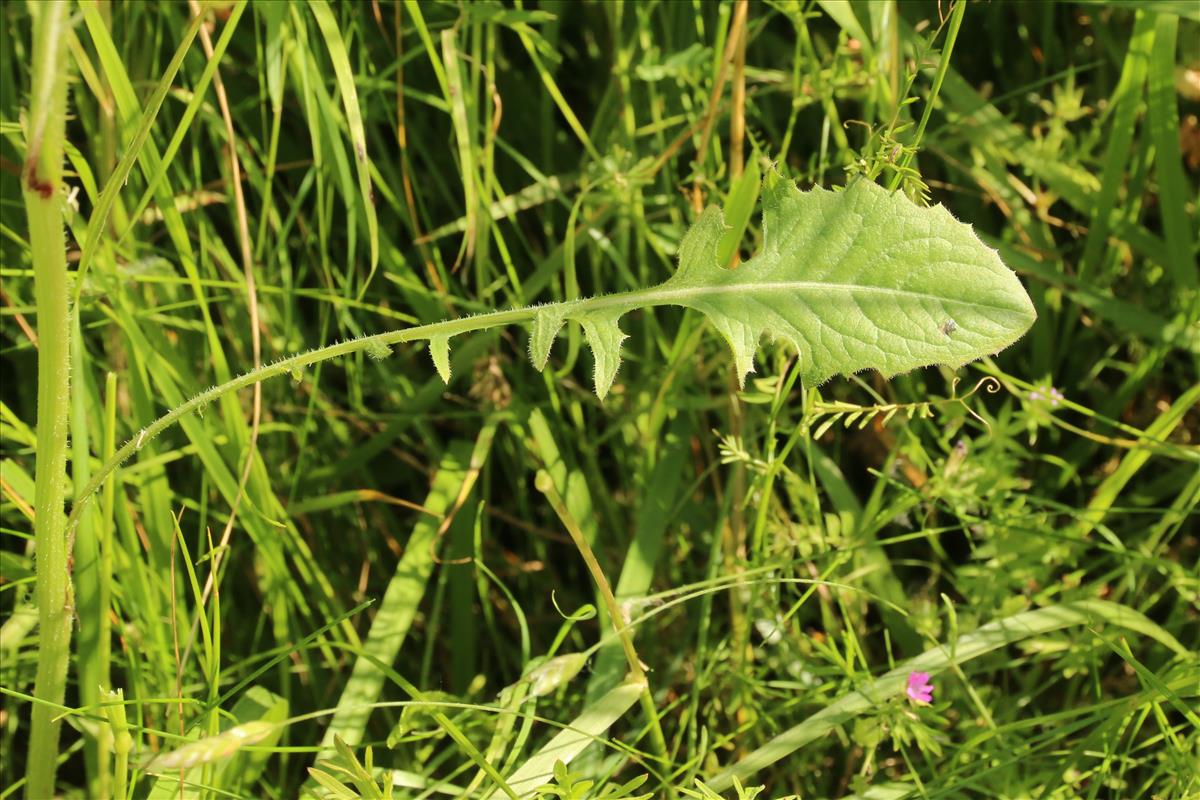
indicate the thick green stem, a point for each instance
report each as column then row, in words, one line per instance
column 41, row 183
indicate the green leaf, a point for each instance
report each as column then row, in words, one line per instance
column 439, row 350
column 852, row 280
column 738, row 208
column 604, row 337
column 344, row 73
column 568, row 743
column 546, row 323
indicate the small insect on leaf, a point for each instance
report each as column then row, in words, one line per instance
column 949, row 327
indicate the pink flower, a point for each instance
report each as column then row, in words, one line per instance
column 1049, row 395
column 919, row 690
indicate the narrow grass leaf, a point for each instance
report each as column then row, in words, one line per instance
column 739, row 207
column 1126, row 102
column 984, row 640
column 398, row 607
column 98, row 223
column 1164, row 129
column 354, row 121
column 597, row 718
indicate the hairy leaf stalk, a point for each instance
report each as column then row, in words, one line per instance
column 40, row 181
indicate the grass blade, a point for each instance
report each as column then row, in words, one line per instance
column 354, row 121
column 597, row 718
column 399, row 605
column 990, row 637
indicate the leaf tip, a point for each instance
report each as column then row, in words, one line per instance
column 439, row 350
column 606, row 365
column 546, row 323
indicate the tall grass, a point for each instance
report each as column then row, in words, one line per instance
column 273, row 578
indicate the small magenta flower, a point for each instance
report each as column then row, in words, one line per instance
column 919, row 690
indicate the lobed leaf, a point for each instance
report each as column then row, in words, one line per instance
column 852, row 280
column 855, row 279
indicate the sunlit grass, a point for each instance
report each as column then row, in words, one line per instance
column 392, row 575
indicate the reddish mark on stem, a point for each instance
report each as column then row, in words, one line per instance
column 43, row 188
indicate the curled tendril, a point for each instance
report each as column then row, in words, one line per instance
column 989, row 385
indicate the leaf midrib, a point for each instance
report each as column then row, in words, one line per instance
column 663, row 296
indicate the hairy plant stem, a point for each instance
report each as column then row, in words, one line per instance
column 292, row 364
column 376, row 343
column 40, row 183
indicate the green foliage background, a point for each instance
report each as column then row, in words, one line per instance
column 781, row 547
